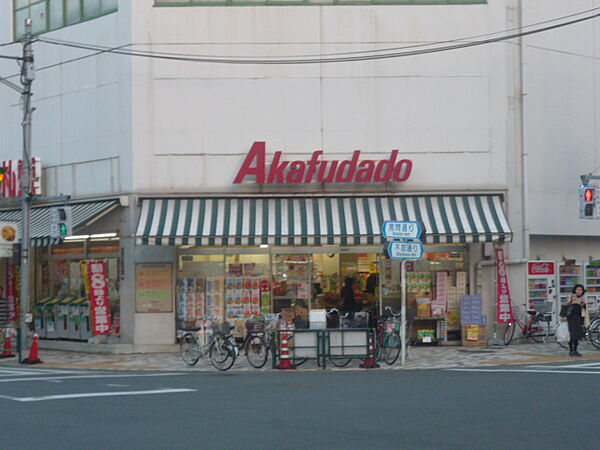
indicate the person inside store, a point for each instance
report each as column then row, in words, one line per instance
column 575, row 313
column 349, row 305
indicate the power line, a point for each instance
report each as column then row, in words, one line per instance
column 16, row 58
column 425, row 44
column 228, row 60
column 359, row 52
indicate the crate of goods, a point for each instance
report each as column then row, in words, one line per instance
column 425, row 333
column 423, row 307
column 474, row 336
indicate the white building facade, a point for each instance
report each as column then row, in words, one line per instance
column 164, row 139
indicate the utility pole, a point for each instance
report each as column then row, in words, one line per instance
column 27, row 77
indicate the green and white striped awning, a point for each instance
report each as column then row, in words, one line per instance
column 82, row 214
column 317, row 220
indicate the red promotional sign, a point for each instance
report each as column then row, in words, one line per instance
column 504, row 312
column 99, row 305
column 541, row 268
column 320, row 170
column 11, row 292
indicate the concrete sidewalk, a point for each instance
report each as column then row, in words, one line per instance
column 419, row 358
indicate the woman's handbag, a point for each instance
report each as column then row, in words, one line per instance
column 562, row 332
column 566, row 310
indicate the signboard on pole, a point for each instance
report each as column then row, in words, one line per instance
column 406, row 250
column 99, row 304
column 394, row 229
column 504, row 313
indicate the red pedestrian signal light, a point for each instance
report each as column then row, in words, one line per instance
column 589, row 195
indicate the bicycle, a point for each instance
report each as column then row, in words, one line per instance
column 388, row 337
column 345, row 321
column 258, row 340
column 536, row 326
column 220, row 347
column 591, row 333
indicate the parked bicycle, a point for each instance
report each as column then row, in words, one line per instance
column 592, row 334
column 388, row 339
column 220, row 346
column 259, row 340
column 533, row 324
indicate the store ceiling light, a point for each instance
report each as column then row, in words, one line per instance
column 264, row 245
column 103, row 235
column 77, row 237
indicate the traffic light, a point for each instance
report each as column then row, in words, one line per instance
column 2, row 174
column 588, row 208
column 60, row 222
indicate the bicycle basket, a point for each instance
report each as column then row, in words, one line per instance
column 255, row 326
column 543, row 307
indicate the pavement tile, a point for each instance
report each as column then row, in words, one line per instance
column 419, row 358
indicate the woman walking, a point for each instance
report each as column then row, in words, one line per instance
column 576, row 314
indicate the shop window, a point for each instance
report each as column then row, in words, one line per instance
column 53, row 14
column 200, row 288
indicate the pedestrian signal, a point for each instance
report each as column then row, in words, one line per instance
column 588, row 203
column 60, row 222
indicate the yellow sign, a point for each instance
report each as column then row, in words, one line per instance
column 472, row 332
column 154, row 288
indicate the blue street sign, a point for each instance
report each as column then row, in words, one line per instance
column 393, row 229
column 406, row 250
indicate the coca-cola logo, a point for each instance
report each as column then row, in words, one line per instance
column 541, row 268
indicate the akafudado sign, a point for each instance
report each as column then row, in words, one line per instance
column 320, row 170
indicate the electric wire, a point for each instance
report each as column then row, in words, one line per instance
column 380, row 50
column 228, row 60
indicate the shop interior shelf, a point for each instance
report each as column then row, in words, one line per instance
column 537, row 290
column 430, row 318
column 569, row 274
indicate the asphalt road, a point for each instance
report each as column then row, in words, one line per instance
column 434, row 409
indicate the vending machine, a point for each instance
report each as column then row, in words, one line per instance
column 541, row 288
column 592, row 284
column 569, row 274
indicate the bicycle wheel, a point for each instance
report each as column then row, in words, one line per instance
column 391, row 348
column 257, row 351
column 222, row 356
column 539, row 330
column 595, row 333
column 189, row 349
column 509, row 332
column 342, row 362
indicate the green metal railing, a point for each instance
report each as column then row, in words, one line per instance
column 321, row 345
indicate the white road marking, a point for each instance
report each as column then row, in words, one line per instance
column 7, row 371
column 528, row 371
column 54, row 381
column 118, row 385
column 75, row 377
column 95, row 394
column 595, row 365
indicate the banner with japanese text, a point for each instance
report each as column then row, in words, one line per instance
column 98, row 296
column 504, row 302
column 11, row 291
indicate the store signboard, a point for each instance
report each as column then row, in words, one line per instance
column 11, row 291
column 394, row 229
column 98, row 296
column 406, row 250
column 11, row 186
column 540, row 268
column 317, row 169
column 504, row 301
column 154, row 288
column 9, row 233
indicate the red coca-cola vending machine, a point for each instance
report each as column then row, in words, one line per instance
column 541, row 287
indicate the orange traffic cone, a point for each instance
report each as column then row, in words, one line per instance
column 33, row 353
column 7, row 353
column 369, row 363
column 284, row 358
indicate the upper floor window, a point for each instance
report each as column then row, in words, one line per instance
column 313, row 2
column 49, row 15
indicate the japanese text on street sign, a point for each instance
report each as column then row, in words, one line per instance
column 505, row 312
column 99, row 304
column 401, row 230
column 406, row 250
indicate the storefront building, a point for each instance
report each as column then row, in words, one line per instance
column 253, row 188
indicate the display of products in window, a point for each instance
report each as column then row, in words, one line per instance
column 569, row 276
column 418, row 282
